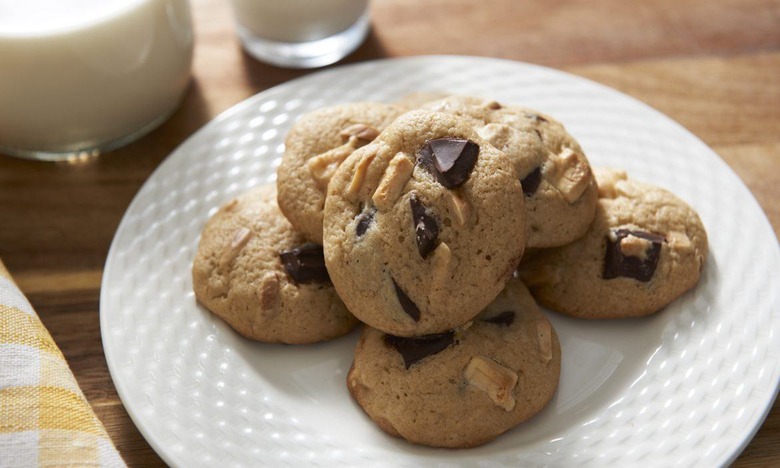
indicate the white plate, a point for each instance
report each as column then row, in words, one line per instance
column 689, row 385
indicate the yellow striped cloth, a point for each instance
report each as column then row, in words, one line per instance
column 44, row 418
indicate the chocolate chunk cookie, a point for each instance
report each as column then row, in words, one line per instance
column 315, row 146
column 558, row 185
column 254, row 271
column 423, row 226
column 644, row 249
column 462, row 387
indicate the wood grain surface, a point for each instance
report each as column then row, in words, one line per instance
column 711, row 65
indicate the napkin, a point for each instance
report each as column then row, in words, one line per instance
column 44, row 418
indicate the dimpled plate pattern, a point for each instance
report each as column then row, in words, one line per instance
column 687, row 386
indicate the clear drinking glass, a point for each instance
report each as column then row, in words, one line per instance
column 301, row 33
column 80, row 77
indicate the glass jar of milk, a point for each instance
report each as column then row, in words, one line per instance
column 301, row 33
column 79, row 77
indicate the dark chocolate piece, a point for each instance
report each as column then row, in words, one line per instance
column 406, row 304
column 416, row 348
column 305, row 264
column 504, row 318
column 618, row 264
column 538, row 118
column 426, row 228
column 531, row 182
column 364, row 221
column 450, row 160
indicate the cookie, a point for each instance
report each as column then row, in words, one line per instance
column 315, row 146
column 423, row 226
column 464, row 387
column 258, row 274
column 645, row 248
column 558, row 185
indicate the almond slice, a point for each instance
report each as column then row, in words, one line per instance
column 240, row 237
column 570, row 174
column 398, row 172
column 494, row 379
column 359, row 177
column 323, row 166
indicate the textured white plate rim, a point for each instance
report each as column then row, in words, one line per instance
column 147, row 427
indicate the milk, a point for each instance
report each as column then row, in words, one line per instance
column 81, row 75
column 297, row 20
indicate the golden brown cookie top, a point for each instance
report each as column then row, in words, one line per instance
column 462, row 387
column 315, row 146
column 644, row 249
column 423, row 226
column 253, row 270
column 559, row 188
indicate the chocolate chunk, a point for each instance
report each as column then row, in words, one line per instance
column 616, row 263
column 426, row 228
column 416, row 348
column 406, row 304
column 364, row 221
column 450, row 160
column 305, row 264
column 538, row 118
column 504, row 318
column 531, row 182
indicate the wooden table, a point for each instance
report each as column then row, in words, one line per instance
column 713, row 66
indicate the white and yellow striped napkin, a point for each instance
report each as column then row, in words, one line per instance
column 44, row 418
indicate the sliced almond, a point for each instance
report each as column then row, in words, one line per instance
column 240, row 237
column 364, row 133
column 632, row 246
column 393, row 181
column 679, row 240
column 500, row 135
column 544, row 333
column 359, row 176
column 268, row 295
column 492, row 378
column 460, row 207
column 441, row 260
column 570, row 174
column 323, row 166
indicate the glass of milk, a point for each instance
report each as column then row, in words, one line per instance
column 80, row 77
column 301, row 33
